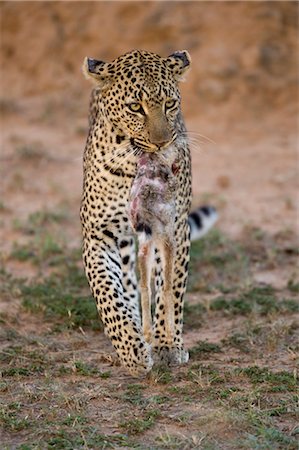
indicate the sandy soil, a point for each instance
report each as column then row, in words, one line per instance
column 241, row 95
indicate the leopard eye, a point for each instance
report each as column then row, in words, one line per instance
column 136, row 108
column 169, row 104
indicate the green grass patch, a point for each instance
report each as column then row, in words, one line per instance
column 28, row 152
column 260, row 300
column 133, row 394
column 140, row 425
column 184, row 441
column 11, row 354
column 203, row 348
column 266, row 334
column 63, row 296
column 225, row 264
column 22, row 371
column 16, row 361
column 269, row 438
column 193, row 315
column 218, row 261
column 258, row 375
column 82, row 368
column 9, row 286
column 205, row 375
column 293, row 286
column 13, row 419
column 225, row 393
column 161, row 375
column 159, row 399
column 22, row 252
column 84, row 437
column 40, row 221
column 240, row 341
column 44, row 250
column 47, row 245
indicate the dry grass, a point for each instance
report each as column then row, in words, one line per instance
column 61, row 389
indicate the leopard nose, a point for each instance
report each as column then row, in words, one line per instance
column 160, row 136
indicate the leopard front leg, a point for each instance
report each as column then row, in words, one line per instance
column 163, row 352
column 103, row 266
column 145, row 268
column 127, row 248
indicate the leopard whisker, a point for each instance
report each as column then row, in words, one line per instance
column 131, row 153
column 121, row 161
column 114, row 157
column 194, row 143
column 189, row 133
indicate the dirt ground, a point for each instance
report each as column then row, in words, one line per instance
column 61, row 386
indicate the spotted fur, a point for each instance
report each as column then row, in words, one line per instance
column 135, row 108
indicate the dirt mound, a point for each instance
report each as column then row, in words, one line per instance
column 243, row 52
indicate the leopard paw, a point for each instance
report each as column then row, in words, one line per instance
column 170, row 356
column 139, row 359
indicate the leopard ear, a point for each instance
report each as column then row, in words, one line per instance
column 179, row 62
column 97, row 71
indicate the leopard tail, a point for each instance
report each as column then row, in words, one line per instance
column 201, row 220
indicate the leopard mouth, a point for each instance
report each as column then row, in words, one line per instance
column 151, row 148
column 143, row 145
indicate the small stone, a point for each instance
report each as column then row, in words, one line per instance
column 223, row 181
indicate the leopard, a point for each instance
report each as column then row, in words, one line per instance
column 135, row 108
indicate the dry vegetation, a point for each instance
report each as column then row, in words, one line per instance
column 61, row 387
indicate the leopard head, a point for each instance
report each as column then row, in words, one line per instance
column 139, row 95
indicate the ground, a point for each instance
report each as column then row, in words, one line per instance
column 61, row 386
